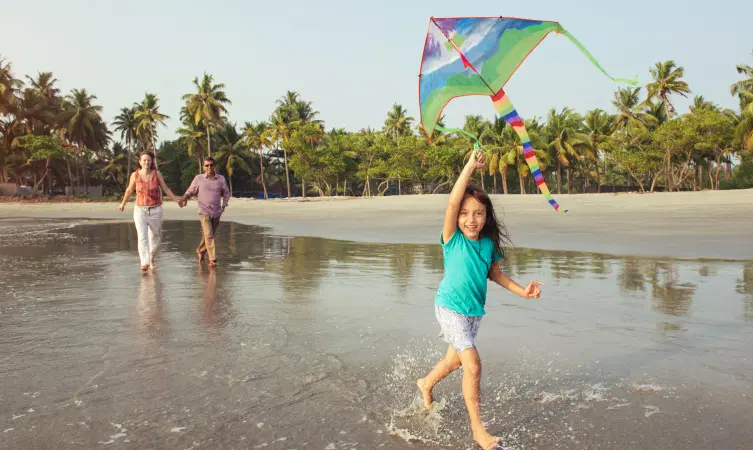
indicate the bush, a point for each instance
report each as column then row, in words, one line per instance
column 742, row 176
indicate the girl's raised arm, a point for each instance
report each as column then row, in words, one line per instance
column 456, row 196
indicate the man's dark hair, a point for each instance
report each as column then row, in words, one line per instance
column 209, row 158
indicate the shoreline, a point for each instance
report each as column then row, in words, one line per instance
column 706, row 225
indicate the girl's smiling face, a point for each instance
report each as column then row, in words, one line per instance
column 472, row 217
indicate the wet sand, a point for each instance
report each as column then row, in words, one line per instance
column 304, row 342
column 714, row 225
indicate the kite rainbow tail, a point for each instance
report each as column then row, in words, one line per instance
column 504, row 107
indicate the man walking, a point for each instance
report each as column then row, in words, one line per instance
column 210, row 188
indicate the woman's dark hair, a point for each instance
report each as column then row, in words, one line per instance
column 493, row 229
column 154, row 161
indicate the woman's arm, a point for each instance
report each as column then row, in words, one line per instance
column 166, row 189
column 456, row 196
column 129, row 191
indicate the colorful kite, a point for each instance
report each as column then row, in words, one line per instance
column 477, row 56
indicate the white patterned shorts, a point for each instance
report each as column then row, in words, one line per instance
column 457, row 330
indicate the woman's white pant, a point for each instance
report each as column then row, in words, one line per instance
column 148, row 227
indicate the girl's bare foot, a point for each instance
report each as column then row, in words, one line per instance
column 151, row 261
column 426, row 392
column 486, row 440
column 144, row 268
column 200, row 255
column 213, row 263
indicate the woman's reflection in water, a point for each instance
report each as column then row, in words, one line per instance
column 150, row 307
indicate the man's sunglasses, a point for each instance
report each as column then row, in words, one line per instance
column 208, row 165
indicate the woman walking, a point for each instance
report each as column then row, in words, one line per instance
column 147, row 215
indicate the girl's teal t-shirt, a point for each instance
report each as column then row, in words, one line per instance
column 466, row 269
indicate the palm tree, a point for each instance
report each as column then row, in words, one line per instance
column 565, row 140
column 148, row 116
column 398, row 123
column 747, row 83
column 45, row 85
column 500, row 139
column 700, row 103
column 629, row 116
column 744, row 122
column 252, row 137
column 82, row 124
column 667, row 81
column 113, row 165
column 278, row 133
column 305, row 114
column 287, row 103
column 9, row 87
column 126, row 123
column 598, row 125
column 515, row 156
column 231, row 151
column 207, row 105
column 193, row 137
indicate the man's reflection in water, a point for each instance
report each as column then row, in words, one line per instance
column 214, row 304
column 150, row 307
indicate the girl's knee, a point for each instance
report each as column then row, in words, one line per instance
column 473, row 369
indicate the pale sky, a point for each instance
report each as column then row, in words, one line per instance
column 355, row 58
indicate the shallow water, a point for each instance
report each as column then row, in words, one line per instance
column 296, row 343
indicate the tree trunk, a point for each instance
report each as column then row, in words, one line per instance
column 46, row 171
column 668, row 171
column 568, row 180
column 70, row 174
column 154, row 148
column 598, row 179
column 695, row 179
column 504, row 178
column 718, row 169
column 653, row 182
column 700, row 178
column 209, row 143
column 261, row 170
column 303, row 186
column 559, row 177
column 522, row 184
column 287, row 173
column 494, row 177
column 440, row 186
column 230, row 183
column 366, row 188
column 383, row 186
column 399, row 187
column 128, row 144
column 345, row 186
column 481, row 172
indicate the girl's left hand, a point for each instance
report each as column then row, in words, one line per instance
column 532, row 290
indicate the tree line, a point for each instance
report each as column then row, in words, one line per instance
column 49, row 140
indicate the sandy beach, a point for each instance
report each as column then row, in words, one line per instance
column 695, row 225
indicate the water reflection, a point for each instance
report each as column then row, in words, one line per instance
column 216, row 301
column 151, row 307
column 290, row 330
column 745, row 287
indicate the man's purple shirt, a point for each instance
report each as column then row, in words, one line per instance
column 209, row 192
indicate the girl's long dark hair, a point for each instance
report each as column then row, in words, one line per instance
column 493, row 229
